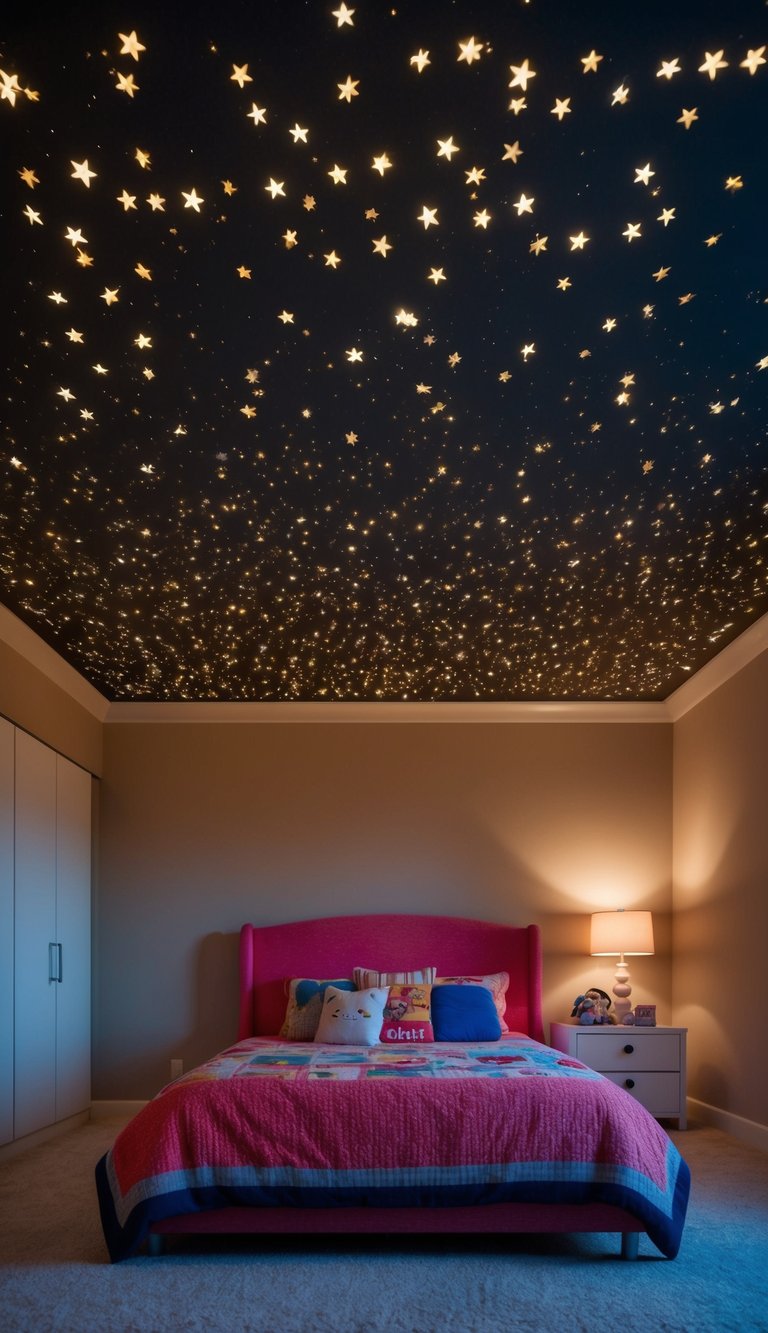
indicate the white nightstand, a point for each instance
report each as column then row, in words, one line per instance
column 648, row 1062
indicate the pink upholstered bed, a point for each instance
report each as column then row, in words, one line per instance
column 491, row 1136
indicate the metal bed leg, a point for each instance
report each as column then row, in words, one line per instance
column 630, row 1244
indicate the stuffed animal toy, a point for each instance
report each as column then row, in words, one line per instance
column 592, row 1007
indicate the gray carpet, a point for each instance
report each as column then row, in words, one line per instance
column 54, row 1273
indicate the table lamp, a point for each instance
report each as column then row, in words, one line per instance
column 621, row 933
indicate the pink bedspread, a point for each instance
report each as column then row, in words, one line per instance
column 268, row 1122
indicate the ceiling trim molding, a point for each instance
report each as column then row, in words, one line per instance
column 39, row 654
column 733, row 658
column 333, row 712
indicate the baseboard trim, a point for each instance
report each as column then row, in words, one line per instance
column 102, row 1109
column 39, row 1136
column 746, row 1131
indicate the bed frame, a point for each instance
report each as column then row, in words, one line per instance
column 332, row 946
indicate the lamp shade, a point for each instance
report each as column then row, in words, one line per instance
column 621, row 933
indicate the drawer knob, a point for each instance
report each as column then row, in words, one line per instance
column 629, row 1083
column 628, row 1050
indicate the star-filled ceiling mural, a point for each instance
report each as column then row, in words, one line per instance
column 411, row 351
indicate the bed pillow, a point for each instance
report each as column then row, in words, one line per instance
column 352, row 1018
column 464, row 1013
column 366, row 977
column 495, row 982
column 408, row 1015
column 305, row 1002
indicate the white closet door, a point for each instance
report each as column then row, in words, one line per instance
column 6, row 931
column 73, row 934
column 35, row 992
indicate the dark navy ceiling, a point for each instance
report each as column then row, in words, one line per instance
column 385, row 352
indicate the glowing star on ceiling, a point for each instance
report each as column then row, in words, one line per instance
column 591, row 62
column 446, row 148
column 512, row 151
column 669, row 68
column 354, row 354
column 125, row 84
column 561, row 108
column 290, row 238
column 285, row 317
column 258, row 114
column 131, row 45
column 110, row 295
column 436, row 275
column 470, row 50
column 420, row 60
column 127, row 200
column 275, row 188
column 381, row 163
column 82, row 172
column 481, row 218
column 632, row 231
column 75, row 236
column 713, row 63
column 620, row 95
column 521, row 75
column 579, row 241
column 332, row 260
column 381, row 247
column 688, row 117
column 298, row 134
column 538, row 246
column 524, row 204
column 666, row 216
column 643, row 174
column 32, row 217
column 343, row 15
column 143, row 272
column 338, row 175
column 156, row 203
column 240, row 75
column 753, row 60
column 143, row 159
column 192, row 199
column 348, row 89
column 9, row 87
column 29, row 178
column 429, row 218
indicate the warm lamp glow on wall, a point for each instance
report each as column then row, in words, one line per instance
column 621, row 933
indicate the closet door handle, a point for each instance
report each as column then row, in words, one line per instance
column 54, row 962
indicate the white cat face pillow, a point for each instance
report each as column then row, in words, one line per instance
column 352, row 1018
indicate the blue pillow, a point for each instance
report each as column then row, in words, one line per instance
column 464, row 1013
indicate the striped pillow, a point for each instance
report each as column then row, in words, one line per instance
column 365, row 978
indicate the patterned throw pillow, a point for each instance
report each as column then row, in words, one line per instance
column 305, row 1002
column 365, row 977
column 464, row 1013
column 495, row 982
column 351, row 1019
column 407, row 1015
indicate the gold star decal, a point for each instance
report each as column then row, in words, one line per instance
column 248, row 411
column 275, row 188
column 482, row 218
column 454, row 359
column 83, row 259
column 74, row 336
column 29, row 178
column 504, row 376
column 563, row 284
column 192, row 199
column 156, row 203
column 354, row 354
column 762, row 364
column 470, row 50
column 143, row 159
column 57, row 298
column 669, row 68
column 351, row 437
column 338, row 174
column 371, row 214
column 82, row 172
column 620, row 95
column 127, row 200
column 110, row 296
column 517, row 105
column 381, row 163
column 446, row 148
column 609, row 325
column 476, row 176
column 420, row 60
column 578, row 242
column 32, row 217
column 66, row 394
column 285, row 317
column 734, row 183
column 643, row 174
column 9, row 87
column 524, row 205
column 308, row 202
column 561, row 108
column 527, row 351
column 712, row 240
column 633, row 231
column 753, row 60
column 348, row 89
column 143, row 272
column 243, row 272
column 713, row 63
column 290, row 238
column 142, row 341
column 332, row 260
column 591, row 62
column 147, row 373
column 240, row 75
column 538, row 246
column 343, row 15
column 298, row 134
column 131, row 45
column 125, row 84
column 521, row 75
column 229, row 188
column 428, row 217
column 688, row 117
column 436, row 275
column 660, row 274
column 512, row 151
column 687, row 298
column 258, row 114
column 100, row 370
column 381, row 247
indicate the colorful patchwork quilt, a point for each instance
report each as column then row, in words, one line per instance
column 269, row 1123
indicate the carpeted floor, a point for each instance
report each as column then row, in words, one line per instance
column 54, row 1273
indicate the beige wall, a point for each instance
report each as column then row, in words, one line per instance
column 205, row 826
column 721, row 891
column 31, row 700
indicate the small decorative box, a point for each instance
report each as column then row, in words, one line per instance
column 645, row 1015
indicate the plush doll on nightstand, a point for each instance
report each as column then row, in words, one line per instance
column 592, row 1007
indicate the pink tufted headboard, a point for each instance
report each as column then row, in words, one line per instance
column 332, row 946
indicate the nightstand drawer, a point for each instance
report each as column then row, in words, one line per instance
column 659, row 1093
column 630, row 1050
